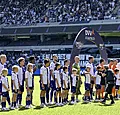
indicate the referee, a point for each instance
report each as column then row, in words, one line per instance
column 110, row 82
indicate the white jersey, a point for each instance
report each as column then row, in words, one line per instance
column 1, row 67
column 87, row 77
column 74, row 80
column 20, row 75
column 92, row 68
column 66, row 79
column 5, row 82
column 52, row 67
column 57, row 76
column 29, row 76
column 98, row 78
column 44, row 73
column 117, row 79
column 118, row 65
column 15, row 79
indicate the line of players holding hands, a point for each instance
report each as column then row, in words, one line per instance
column 55, row 81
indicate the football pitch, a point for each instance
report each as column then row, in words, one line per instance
column 78, row 109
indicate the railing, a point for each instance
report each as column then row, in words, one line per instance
column 55, row 47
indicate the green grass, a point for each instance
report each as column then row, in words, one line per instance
column 78, row 109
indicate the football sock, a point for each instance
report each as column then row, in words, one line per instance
column 8, row 99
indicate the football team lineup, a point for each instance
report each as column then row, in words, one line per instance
column 58, row 86
column 61, row 85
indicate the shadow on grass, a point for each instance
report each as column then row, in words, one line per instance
column 38, row 108
column 22, row 108
column 53, row 106
column 7, row 110
column 105, row 105
column 4, row 111
column 85, row 102
column 96, row 101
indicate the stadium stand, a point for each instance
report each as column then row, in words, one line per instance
column 49, row 40
column 25, row 12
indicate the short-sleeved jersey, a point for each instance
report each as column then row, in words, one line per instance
column 5, row 82
column 117, row 79
column 98, row 78
column 52, row 67
column 44, row 73
column 114, row 67
column 1, row 67
column 29, row 76
column 15, row 79
column 118, row 65
column 57, row 76
column 92, row 68
column 87, row 77
column 66, row 79
column 73, row 80
column 76, row 66
column 20, row 75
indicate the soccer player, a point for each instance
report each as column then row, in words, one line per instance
column 52, row 78
column 98, row 75
column 87, row 83
column 58, row 85
column 44, row 81
column 92, row 72
column 21, row 77
column 113, row 68
column 111, row 63
column 29, row 84
column 73, row 85
column 66, row 64
column 110, row 80
column 102, row 63
column 48, row 86
column 5, row 88
column 32, row 60
column 115, row 62
column 15, row 86
column 77, row 66
column 65, row 84
column 117, row 76
column 3, row 59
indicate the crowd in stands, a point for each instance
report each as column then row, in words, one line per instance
column 28, row 12
column 12, row 56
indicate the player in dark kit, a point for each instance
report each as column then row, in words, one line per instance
column 110, row 81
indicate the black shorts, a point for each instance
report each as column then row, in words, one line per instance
column 109, row 88
column 73, row 89
column 5, row 94
column 13, row 91
column 45, row 87
column 102, row 81
column 21, row 88
column 31, row 88
column 92, row 82
column 117, row 87
column 64, row 89
column 58, row 89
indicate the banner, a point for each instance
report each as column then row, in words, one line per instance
column 85, row 35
